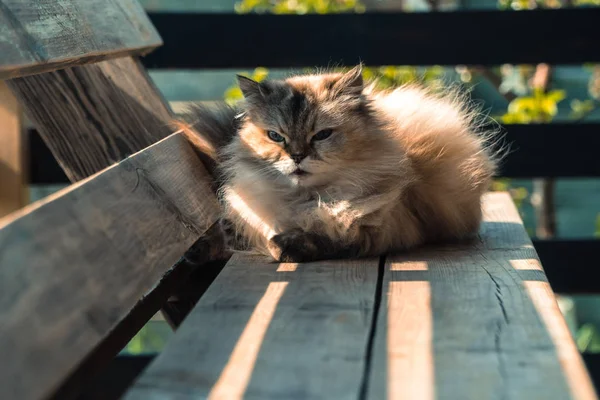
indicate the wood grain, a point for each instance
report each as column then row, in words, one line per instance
column 40, row 36
column 13, row 179
column 95, row 115
column 74, row 265
column 474, row 322
column 271, row 331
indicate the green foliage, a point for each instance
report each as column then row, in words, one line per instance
column 588, row 339
column 579, row 108
column 233, row 94
column 586, row 3
column 528, row 4
column 299, row 6
column 597, row 233
column 150, row 339
column 385, row 77
column 541, row 106
column 533, row 4
column 388, row 76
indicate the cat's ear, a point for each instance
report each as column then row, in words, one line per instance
column 350, row 83
column 252, row 89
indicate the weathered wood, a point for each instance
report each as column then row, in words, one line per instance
column 40, row 36
column 13, row 180
column 271, row 331
column 73, row 266
column 95, row 115
column 474, row 323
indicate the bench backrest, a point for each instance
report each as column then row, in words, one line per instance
column 82, row 271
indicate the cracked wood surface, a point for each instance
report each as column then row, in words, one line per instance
column 41, row 36
column 76, row 264
column 474, row 322
column 265, row 330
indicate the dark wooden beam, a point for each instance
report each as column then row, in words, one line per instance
column 572, row 266
column 436, row 38
column 534, row 151
column 558, row 150
column 41, row 36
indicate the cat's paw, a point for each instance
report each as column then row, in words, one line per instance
column 294, row 246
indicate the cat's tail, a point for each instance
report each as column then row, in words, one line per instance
column 208, row 127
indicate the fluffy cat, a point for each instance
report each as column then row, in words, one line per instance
column 322, row 166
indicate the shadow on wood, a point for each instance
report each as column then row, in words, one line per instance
column 269, row 330
column 458, row 321
column 78, row 263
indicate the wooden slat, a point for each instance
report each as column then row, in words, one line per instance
column 271, row 331
column 39, row 36
column 539, row 150
column 95, row 115
column 72, row 267
column 13, row 179
column 472, row 323
column 572, row 266
column 437, row 38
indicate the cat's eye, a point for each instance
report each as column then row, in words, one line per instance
column 276, row 137
column 322, row 135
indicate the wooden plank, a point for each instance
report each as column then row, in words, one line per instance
column 539, row 150
column 13, row 187
column 95, row 115
column 73, row 266
column 436, row 38
column 571, row 265
column 271, row 331
column 474, row 322
column 40, row 36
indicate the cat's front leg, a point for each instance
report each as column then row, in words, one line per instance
column 296, row 245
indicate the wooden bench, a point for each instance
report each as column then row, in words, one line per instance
column 83, row 270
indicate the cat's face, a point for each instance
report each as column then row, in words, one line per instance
column 309, row 129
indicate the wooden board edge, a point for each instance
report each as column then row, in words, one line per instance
column 18, row 71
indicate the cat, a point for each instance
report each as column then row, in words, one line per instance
column 326, row 166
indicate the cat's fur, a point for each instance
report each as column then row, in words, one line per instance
column 402, row 168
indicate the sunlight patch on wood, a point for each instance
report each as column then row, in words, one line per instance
column 571, row 363
column 409, row 337
column 237, row 373
column 526, row 264
column 287, row 267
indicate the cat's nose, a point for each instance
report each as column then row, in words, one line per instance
column 297, row 157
